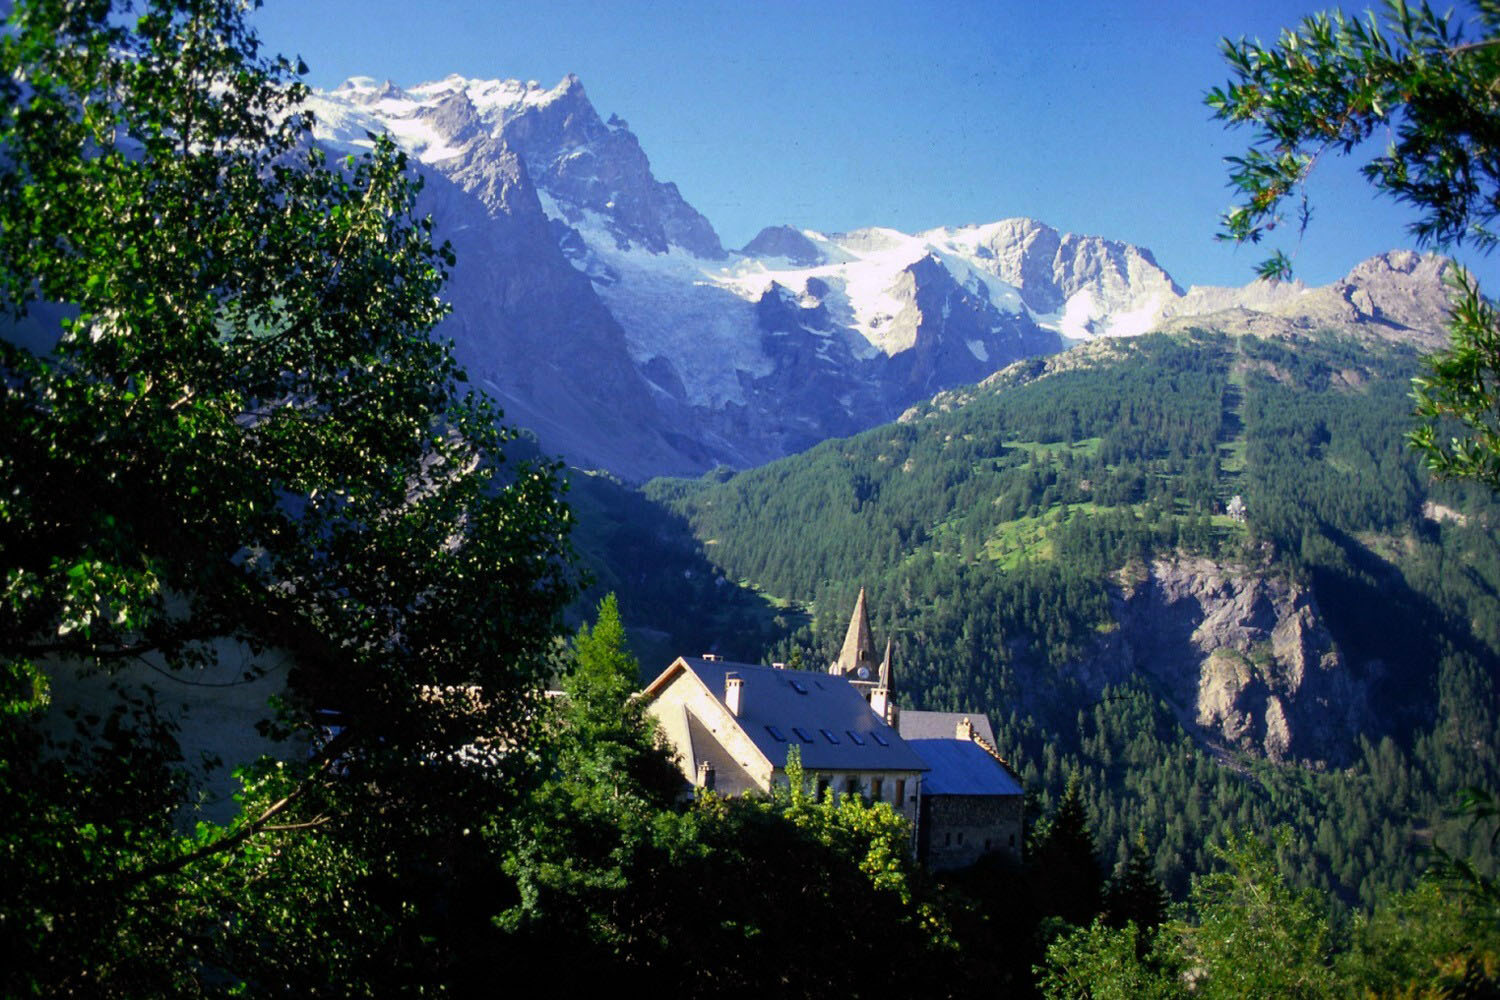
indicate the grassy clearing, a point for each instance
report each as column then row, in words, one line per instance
column 1051, row 451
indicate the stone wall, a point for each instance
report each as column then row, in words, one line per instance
column 954, row 831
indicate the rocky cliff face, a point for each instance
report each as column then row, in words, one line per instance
column 1244, row 657
column 1393, row 296
column 523, row 318
column 604, row 313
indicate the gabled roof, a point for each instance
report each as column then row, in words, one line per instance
column 942, row 725
column 703, row 747
column 789, row 700
column 962, row 767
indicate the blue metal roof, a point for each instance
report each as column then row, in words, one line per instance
column 961, row 767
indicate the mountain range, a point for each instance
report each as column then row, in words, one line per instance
column 604, row 313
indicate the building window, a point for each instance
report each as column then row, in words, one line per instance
column 877, row 786
column 947, row 840
column 851, row 786
column 822, row 786
column 960, row 838
column 900, row 792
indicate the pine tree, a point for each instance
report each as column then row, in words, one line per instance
column 1064, row 872
column 1133, row 893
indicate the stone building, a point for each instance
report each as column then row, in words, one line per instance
column 971, row 802
column 733, row 723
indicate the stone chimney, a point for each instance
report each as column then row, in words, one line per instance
column 734, row 694
column 965, row 729
column 883, row 705
column 705, row 775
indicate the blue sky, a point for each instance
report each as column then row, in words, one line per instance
column 833, row 116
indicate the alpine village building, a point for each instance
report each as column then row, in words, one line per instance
column 733, row 723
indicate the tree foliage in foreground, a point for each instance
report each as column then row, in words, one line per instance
column 241, row 442
column 621, row 878
column 1244, row 933
column 1335, row 82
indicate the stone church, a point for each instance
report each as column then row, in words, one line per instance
column 733, row 723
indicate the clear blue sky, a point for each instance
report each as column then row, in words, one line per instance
column 833, row 116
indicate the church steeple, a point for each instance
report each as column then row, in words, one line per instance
column 859, row 648
column 882, row 697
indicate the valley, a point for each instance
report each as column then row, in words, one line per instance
column 1054, row 546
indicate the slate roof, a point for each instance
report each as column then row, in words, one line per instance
column 962, row 767
column 941, row 725
column 798, row 699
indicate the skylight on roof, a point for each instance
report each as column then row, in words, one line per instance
column 802, row 734
column 799, row 688
column 776, row 734
column 858, row 741
column 828, row 735
column 879, row 739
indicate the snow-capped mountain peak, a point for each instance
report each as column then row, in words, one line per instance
column 602, row 310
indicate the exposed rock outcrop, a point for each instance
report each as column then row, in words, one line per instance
column 785, row 242
column 1401, row 296
column 1243, row 655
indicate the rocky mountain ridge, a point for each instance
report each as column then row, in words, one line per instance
column 604, row 313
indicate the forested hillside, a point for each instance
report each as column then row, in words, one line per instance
column 1005, row 532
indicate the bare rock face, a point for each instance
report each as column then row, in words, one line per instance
column 528, row 327
column 1049, row 268
column 1401, row 296
column 1243, row 656
column 956, row 336
column 784, row 241
column 587, row 163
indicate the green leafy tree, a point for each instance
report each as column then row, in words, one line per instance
column 1245, row 935
column 1334, row 83
column 1100, row 962
column 1425, row 943
column 240, row 438
column 589, row 838
column 1253, row 935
